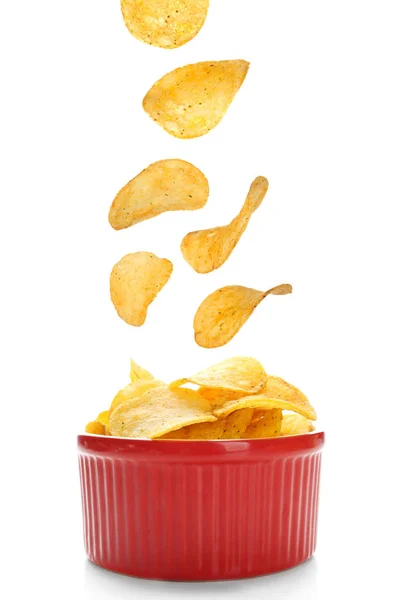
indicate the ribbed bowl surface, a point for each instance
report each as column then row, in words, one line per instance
column 200, row 510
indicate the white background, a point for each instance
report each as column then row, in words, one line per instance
column 321, row 114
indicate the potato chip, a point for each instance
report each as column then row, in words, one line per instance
column 222, row 313
column 269, row 425
column 237, row 423
column 295, row 425
column 199, row 431
column 159, row 411
column 164, row 23
column 190, row 101
column 218, row 396
column 133, row 390
column 240, row 374
column 166, row 185
column 95, row 427
column 257, row 402
column 103, row 418
column 208, row 249
column 288, row 397
column 135, row 282
column 137, row 372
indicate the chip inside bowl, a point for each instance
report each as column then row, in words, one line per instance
column 164, row 23
column 95, row 427
column 268, row 425
column 135, row 281
column 158, row 411
column 294, row 424
column 239, row 374
column 190, row 101
column 235, row 399
column 166, row 185
column 208, row 249
column 138, row 373
column 133, row 390
column 221, row 315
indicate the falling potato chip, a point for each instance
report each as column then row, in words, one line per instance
column 190, row 101
column 295, row 425
column 135, row 282
column 240, row 374
column 95, row 427
column 269, row 425
column 222, row 313
column 159, row 411
column 236, row 423
column 287, row 397
column 208, row 249
column 166, row 185
column 137, row 372
column 164, row 23
column 133, row 390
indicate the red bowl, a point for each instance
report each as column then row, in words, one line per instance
column 200, row 510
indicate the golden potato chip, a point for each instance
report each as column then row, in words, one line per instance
column 295, row 425
column 222, row 313
column 269, row 425
column 288, row 397
column 199, row 431
column 208, row 249
column 137, row 372
column 240, row 374
column 257, row 402
column 236, row 423
column 133, row 390
column 166, row 185
column 103, row 418
column 277, row 393
column 159, row 411
column 218, row 395
column 190, row 101
column 135, row 282
column 164, row 23
column 95, row 427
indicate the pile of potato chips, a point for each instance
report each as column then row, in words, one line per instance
column 234, row 399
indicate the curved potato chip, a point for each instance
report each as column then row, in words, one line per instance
column 164, row 23
column 133, row 390
column 268, row 426
column 222, row 313
column 95, row 427
column 103, row 418
column 217, row 395
column 190, row 101
column 137, row 372
column 240, row 374
column 288, row 396
column 208, row 249
column 258, row 402
column 135, row 282
column 199, row 431
column 237, row 423
column 159, row 411
column 296, row 425
column 166, row 185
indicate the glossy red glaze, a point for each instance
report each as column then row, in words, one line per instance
column 200, row 510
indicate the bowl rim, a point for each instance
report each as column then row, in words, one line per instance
column 200, row 450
